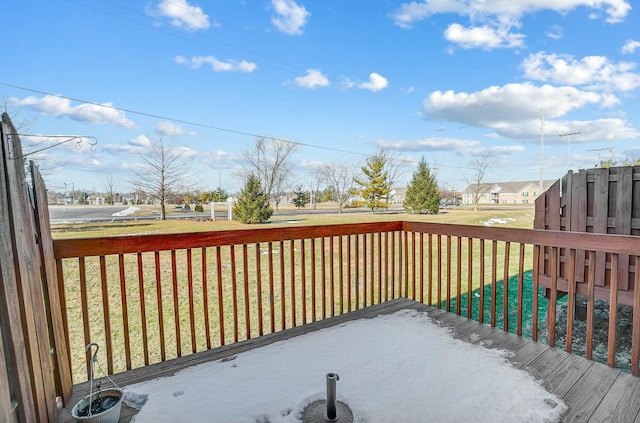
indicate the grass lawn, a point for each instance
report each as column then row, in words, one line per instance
column 513, row 217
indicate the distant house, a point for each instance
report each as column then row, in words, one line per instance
column 523, row 192
column 397, row 195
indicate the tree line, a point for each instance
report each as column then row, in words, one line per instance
column 269, row 177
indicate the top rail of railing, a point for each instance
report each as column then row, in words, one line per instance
column 86, row 247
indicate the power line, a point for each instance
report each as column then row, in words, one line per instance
column 209, row 126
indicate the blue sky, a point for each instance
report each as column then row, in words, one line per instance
column 447, row 80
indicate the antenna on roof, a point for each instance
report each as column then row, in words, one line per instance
column 569, row 135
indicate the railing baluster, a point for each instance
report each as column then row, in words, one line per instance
column 421, row 267
column 205, row 298
column 405, row 235
column 379, row 236
column 292, row 282
column 553, row 295
column 590, row 304
column 458, row 274
column 332, row 276
column 192, row 317
column 482, row 270
column 571, row 302
column 365, row 285
column 245, row 279
column 349, row 284
column 84, row 304
column 469, row 277
column 430, row 269
column 303, row 284
column 220, row 295
column 635, row 336
column 372, row 266
column 314, row 303
column 323, row 274
column 159, row 303
column 393, row 264
column 613, row 311
column 283, row 318
column 413, row 265
column 341, row 265
column 106, row 314
column 520, row 288
column 176, row 304
column 234, row 292
column 439, row 281
column 125, row 312
column 357, row 270
column 494, row 281
column 259, row 294
column 534, row 296
column 143, row 310
column 272, row 314
column 448, row 288
column 505, row 288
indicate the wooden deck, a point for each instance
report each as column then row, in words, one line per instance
column 593, row 392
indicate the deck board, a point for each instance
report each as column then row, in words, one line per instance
column 594, row 392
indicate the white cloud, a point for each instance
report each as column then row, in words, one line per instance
column 140, row 141
column 499, row 150
column 182, row 14
column 137, row 145
column 376, row 82
column 594, row 72
column 170, row 129
column 555, row 32
column 314, row 78
column 590, row 131
column 500, row 106
column 216, row 65
column 630, row 46
column 429, row 144
column 484, row 37
column 55, row 105
column 290, row 17
column 480, row 10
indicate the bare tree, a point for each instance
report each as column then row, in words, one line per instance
column 317, row 172
column 475, row 181
column 341, row 177
column 393, row 165
column 162, row 171
column 270, row 161
column 111, row 188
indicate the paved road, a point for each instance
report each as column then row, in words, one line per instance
column 80, row 214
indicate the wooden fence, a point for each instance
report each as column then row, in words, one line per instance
column 605, row 201
column 32, row 345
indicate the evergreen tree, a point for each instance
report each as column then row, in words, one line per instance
column 253, row 204
column 376, row 187
column 423, row 195
column 301, row 197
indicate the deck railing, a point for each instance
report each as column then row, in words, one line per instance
column 149, row 298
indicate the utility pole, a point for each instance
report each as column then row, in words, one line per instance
column 541, row 189
column 569, row 135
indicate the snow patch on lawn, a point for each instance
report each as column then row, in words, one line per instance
column 393, row 368
column 127, row 211
column 500, row 220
